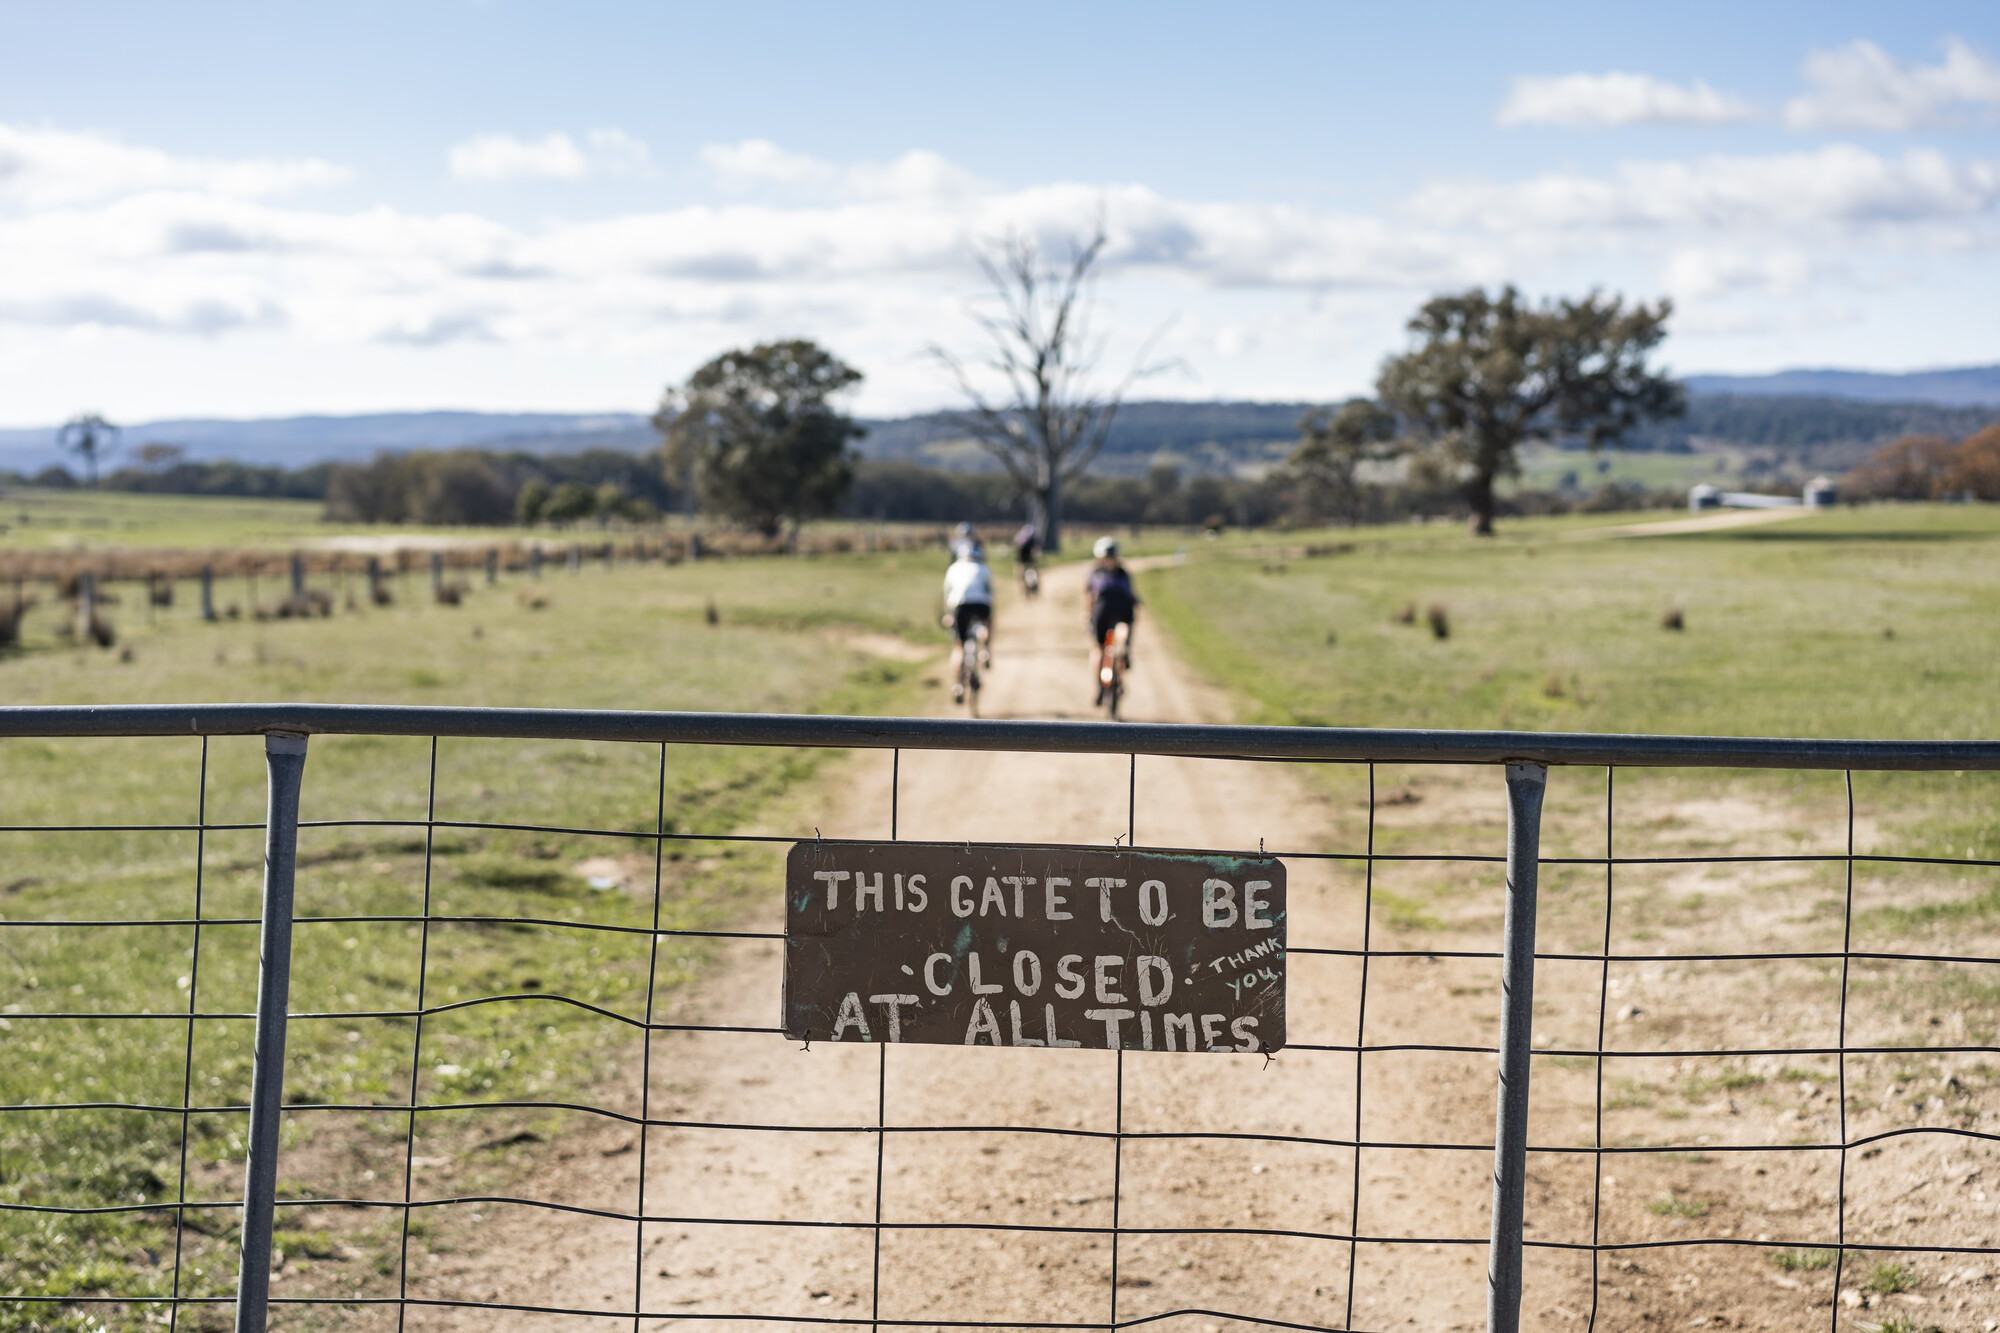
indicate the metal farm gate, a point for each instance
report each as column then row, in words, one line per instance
column 1336, row 1252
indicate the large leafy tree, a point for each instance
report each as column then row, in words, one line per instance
column 1487, row 374
column 1334, row 443
column 755, row 434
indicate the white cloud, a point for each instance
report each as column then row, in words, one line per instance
column 754, row 163
column 44, row 168
column 613, row 152
column 761, row 162
column 1705, row 273
column 1839, row 185
column 554, row 156
column 875, row 259
column 1862, row 87
column 1591, row 101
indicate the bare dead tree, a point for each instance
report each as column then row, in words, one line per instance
column 1053, row 419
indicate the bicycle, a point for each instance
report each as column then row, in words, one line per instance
column 969, row 649
column 1111, row 672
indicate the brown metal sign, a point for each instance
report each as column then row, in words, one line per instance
column 973, row 945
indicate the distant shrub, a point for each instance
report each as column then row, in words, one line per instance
column 1931, row 467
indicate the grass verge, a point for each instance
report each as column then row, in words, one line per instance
column 555, row 916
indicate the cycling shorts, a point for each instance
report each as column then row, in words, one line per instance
column 970, row 614
column 1105, row 617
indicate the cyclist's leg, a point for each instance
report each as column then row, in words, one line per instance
column 960, row 617
column 1101, row 622
column 979, row 629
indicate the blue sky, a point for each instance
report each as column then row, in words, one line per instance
column 237, row 210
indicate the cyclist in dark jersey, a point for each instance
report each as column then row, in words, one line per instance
column 1027, row 551
column 1112, row 602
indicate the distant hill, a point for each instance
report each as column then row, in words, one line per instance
column 1967, row 386
column 298, row 441
column 1200, row 437
column 1826, row 431
column 1196, row 437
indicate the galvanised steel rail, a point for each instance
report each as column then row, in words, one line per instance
column 1526, row 757
column 1193, row 740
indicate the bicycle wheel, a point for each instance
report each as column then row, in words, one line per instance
column 1111, row 679
column 968, row 674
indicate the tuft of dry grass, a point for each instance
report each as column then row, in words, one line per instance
column 1675, row 1206
column 1891, row 1279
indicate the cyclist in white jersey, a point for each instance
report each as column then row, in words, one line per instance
column 968, row 607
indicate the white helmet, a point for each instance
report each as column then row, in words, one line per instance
column 1105, row 546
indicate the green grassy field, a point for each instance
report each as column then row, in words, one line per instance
column 1873, row 622
column 1879, row 622
column 1544, row 467
column 789, row 634
column 32, row 518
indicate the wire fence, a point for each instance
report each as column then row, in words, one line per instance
column 1551, row 1195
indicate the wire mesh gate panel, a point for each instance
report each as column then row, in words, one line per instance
column 533, row 1074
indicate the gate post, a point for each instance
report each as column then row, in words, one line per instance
column 285, row 764
column 1526, row 785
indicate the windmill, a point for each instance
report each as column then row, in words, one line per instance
column 91, row 438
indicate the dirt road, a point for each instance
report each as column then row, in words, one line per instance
column 1007, row 1178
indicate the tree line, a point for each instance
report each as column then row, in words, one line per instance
column 1932, row 467
column 432, row 487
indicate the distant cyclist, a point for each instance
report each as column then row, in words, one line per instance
column 1027, row 551
column 968, row 608
column 1112, row 602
